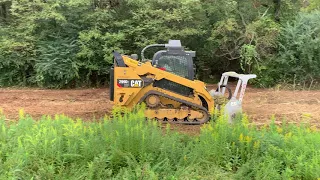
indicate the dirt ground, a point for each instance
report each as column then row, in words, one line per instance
column 259, row 104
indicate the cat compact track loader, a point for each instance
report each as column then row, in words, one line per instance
column 167, row 85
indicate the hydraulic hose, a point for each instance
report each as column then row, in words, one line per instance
column 152, row 45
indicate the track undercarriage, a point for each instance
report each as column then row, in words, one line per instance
column 170, row 110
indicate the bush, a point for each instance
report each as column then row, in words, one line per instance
column 298, row 60
column 56, row 66
column 16, row 61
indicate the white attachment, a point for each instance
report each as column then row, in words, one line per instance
column 243, row 80
column 234, row 105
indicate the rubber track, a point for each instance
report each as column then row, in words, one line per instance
column 195, row 106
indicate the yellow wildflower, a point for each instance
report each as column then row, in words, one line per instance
column 241, row 137
column 287, row 136
column 264, row 127
column 21, row 113
column 306, row 116
column 279, row 130
column 245, row 121
column 248, row 139
column 308, row 130
column 313, row 128
column 256, row 144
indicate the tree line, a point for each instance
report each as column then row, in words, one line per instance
column 63, row 44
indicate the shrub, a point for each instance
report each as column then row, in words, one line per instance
column 56, row 66
column 298, row 62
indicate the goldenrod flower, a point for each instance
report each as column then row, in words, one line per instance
column 308, row 130
column 313, row 128
column 256, row 144
column 21, row 113
column 241, row 137
column 248, row 139
column 287, row 136
column 245, row 121
column 279, row 130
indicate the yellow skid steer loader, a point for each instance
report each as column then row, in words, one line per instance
column 167, row 85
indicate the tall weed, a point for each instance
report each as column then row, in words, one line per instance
column 130, row 147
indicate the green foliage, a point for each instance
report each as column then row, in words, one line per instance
column 95, row 55
column 311, row 5
column 299, row 52
column 59, row 44
column 129, row 147
column 16, row 62
column 56, row 65
column 248, row 56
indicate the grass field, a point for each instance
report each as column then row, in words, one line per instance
column 130, row 147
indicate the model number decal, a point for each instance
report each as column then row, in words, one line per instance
column 123, row 81
column 130, row 83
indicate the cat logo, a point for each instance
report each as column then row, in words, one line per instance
column 130, row 83
column 136, row 83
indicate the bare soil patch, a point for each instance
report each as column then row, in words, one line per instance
column 259, row 104
column 83, row 103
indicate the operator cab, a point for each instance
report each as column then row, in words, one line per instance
column 174, row 60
